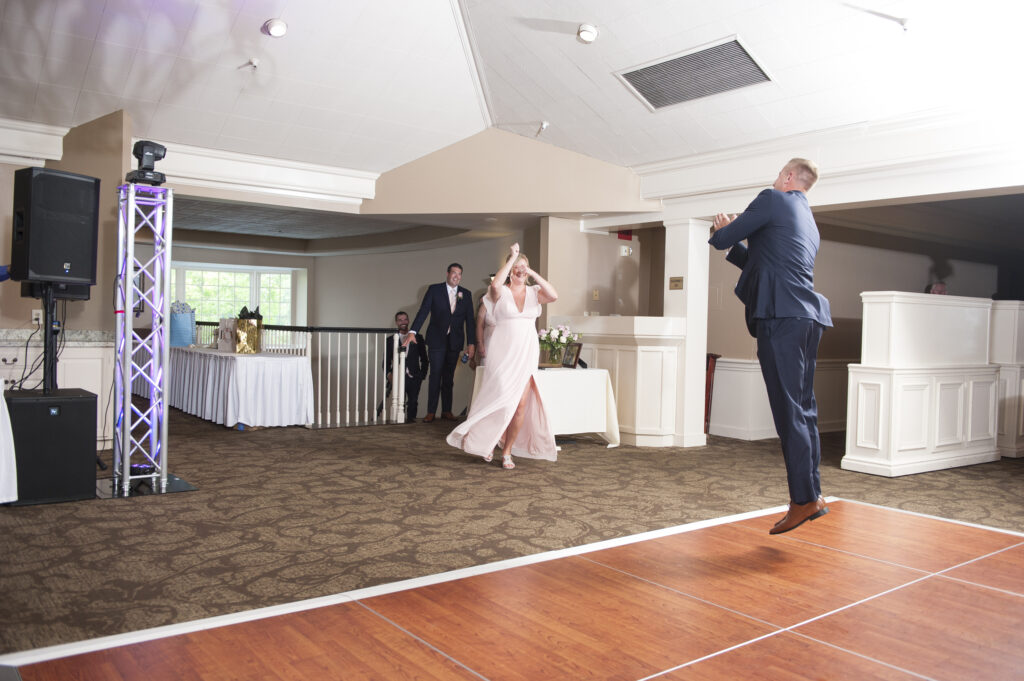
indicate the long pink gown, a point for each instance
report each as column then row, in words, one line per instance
column 512, row 357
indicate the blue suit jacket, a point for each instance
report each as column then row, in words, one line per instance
column 778, row 263
column 461, row 322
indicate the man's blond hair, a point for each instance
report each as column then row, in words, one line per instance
column 806, row 171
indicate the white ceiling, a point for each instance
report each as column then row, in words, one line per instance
column 370, row 85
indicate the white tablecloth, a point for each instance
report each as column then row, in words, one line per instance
column 576, row 401
column 228, row 388
column 8, row 466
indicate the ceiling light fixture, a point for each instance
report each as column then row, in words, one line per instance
column 275, row 28
column 586, row 33
column 543, row 126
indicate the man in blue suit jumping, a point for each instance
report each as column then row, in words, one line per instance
column 450, row 308
column 787, row 318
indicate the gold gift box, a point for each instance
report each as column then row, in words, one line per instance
column 247, row 336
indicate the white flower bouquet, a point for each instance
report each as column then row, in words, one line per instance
column 554, row 340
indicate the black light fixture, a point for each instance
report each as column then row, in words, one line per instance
column 147, row 153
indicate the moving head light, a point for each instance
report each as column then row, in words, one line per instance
column 148, row 153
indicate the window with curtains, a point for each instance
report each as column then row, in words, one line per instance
column 216, row 291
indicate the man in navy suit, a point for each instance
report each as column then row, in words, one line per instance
column 787, row 318
column 450, row 308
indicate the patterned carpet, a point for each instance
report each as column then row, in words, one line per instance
column 288, row 513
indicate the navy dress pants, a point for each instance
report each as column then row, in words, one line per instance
column 787, row 349
column 442, row 378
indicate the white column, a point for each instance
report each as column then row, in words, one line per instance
column 686, row 256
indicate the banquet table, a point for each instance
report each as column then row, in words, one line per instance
column 576, row 401
column 263, row 389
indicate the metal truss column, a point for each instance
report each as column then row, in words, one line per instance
column 143, row 354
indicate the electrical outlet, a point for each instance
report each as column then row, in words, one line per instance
column 37, row 317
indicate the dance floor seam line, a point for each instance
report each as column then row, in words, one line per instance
column 978, row 558
column 684, row 593
column 969, row 582
column 419, row 639
column 854, row 554
column 716, row 653
column 862, row 656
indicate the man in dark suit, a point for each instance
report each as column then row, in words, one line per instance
column 787, row 318
column 450, row 308
column 416, row 364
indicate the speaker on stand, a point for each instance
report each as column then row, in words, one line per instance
column 53, row 252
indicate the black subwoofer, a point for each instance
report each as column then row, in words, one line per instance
column 55, row 223
column 54, row 444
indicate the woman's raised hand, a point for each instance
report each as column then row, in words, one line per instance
column 514, row 250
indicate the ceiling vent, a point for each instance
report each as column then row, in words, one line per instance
column 726, row 66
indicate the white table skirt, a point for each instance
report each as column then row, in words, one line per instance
column 8, row 465
column 228, row 388
column 576, row 401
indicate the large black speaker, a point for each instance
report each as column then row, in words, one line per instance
column 54, row 444
column 56, row 219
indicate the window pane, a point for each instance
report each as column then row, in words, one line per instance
column 218, row 293
column 274, row 289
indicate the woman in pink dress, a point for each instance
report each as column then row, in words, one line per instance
column 507, row 411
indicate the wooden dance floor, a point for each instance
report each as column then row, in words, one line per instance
column 862, row 593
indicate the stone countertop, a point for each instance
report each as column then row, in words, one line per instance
column 72, row 337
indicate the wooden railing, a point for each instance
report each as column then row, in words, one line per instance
column 347, row 363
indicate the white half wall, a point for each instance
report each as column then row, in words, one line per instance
column 739, row 404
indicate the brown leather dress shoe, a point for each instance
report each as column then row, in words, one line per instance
column 428, row 418
column 798, row 514
column 448, row 416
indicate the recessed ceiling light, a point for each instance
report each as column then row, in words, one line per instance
column 586, row 33
column 275, row 28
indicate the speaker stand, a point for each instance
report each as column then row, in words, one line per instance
column 51, row 329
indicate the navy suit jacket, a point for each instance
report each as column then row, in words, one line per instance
column 436, row 305
column 778, row 262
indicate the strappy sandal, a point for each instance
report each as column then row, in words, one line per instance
column 506, row 461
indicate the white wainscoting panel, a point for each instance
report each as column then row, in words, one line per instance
column 958, row 424
column 641, row 355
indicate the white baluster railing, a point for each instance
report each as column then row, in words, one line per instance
column 349, row 382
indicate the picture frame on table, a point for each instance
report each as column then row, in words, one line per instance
column 571, row 356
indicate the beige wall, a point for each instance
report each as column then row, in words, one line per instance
column 652, row 271
column 579, row 262
column 367, row 290
column 498, row 172
column 97, row 149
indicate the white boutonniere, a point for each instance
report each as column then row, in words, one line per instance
column 458, row 296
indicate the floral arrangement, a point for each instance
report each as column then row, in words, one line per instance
column 556, row 338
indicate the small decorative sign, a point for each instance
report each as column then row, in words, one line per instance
column 675, row 283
